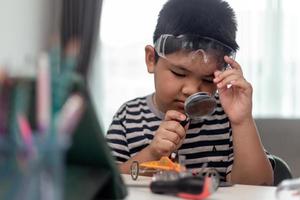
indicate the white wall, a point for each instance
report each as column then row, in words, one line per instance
column 25, row 27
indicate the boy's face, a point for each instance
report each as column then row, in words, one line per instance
column 179, row 77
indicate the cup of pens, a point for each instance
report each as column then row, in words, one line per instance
column 37, row 117
column 32, row 172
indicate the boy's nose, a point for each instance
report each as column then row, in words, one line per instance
column 192, row 87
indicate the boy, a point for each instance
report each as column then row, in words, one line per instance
column 194, row 41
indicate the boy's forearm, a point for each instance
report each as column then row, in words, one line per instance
column 142, row 156
column 251, row 165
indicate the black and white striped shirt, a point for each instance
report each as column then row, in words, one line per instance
column 207, row 141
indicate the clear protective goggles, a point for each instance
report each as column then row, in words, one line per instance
column 200, row 50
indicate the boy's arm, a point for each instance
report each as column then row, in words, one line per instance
column 143, row 156
column 251, row 165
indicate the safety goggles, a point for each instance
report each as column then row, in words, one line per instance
column 200, row 50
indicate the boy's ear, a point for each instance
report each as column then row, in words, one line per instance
column 150, row 58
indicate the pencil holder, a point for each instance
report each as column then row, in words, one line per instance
column 32, row 173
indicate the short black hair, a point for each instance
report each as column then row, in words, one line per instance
column 207, row 18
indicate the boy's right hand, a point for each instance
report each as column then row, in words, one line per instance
column 169, row 136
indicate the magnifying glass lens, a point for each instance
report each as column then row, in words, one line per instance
column 199, row 105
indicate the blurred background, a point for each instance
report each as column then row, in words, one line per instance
column 114, row 33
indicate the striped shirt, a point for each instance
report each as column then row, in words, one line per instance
column 207, row 141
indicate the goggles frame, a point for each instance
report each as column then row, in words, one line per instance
column 167, row 44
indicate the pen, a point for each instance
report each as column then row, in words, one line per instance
column 25, row 130
column 4, row 107
column 43, row 94
column 55, row 62
column 70, row 114
column 64, row 80
column 20, row 104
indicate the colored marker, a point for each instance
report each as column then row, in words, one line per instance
column 25, row 130
column 70, row 114
column 43, row 94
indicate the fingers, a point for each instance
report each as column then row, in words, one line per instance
column 242, row 83
column 173, row 120
column 172, row 137
column 232, row 76
column 233, row 64
column 171, row 141
column 170, row 134
column 174, row 115
column 226, row 80
column 165, row 141
column 175, row 127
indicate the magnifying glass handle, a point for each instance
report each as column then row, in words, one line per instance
column 184, row 122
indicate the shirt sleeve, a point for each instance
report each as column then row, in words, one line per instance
column 116, row 138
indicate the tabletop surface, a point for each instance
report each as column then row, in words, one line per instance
column 139, row 190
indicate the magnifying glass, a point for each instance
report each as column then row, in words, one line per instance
column 198, row 105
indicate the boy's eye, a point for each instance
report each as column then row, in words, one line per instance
column 208, row 80
column 178, row 74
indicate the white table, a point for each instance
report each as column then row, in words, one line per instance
column 139, row 190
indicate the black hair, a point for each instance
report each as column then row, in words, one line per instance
column 207, row 18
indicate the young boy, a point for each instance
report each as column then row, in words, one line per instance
column 194, row 40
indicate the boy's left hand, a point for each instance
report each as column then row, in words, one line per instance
column 236, row 99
